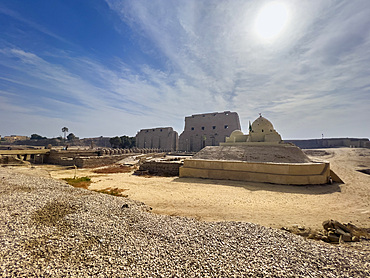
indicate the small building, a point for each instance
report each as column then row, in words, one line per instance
column 13, row 138
column 208, row 129
column 261, row 131
column 163, row 138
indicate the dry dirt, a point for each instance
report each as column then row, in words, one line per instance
column 278, row 153
column 266, row 204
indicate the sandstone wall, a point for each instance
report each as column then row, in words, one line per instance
column 66, row 158
column 331, row 143
column 161, row 168
column 163, row 138
column 97, row 161
column 83, row 159
column 279, row 173
column 207, row 130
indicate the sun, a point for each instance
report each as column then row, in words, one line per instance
column 271, row 20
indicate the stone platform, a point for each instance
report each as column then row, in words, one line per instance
column 279, row 163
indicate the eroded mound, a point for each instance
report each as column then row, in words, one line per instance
column 283, row 153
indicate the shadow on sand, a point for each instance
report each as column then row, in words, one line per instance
column 256, row 186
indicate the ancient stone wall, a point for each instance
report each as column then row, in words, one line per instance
column 163, row 138
column 279, row 173
column 207, row 130
column 102, row 142
column 97, row 161
column 10, row 159
column 83, row 159
column 331, row 143
column 161, row 168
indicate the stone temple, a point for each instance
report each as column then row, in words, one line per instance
column 259, row 156
column 163, row 138
column 207, row 129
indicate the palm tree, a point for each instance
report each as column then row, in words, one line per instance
column 65, row 130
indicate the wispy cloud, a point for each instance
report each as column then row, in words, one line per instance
column 318, row 66
column 207, row 58
column 94, row 92
column 38, row 27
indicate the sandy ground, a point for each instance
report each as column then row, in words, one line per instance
column 266, row 204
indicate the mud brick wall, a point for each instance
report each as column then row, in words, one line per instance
column 162, row 168
column 82, row 159
column 89, row 159
column 66, row 158
column 97, row 161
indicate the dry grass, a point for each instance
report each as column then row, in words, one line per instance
column 83, row 182
column 113, row 191
column 114, row 169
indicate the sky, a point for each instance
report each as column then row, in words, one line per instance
column 107, row 68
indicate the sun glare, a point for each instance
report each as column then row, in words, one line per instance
column 271, row 20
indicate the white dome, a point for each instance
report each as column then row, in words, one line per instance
column 236, row 133
column 261, row 124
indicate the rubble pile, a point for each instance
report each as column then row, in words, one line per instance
column 334, row 232
column 337, row 232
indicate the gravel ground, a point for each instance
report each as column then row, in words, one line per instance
column 50, row 229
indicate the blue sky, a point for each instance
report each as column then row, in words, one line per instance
column 106, row 68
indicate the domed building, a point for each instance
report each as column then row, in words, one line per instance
column 261, row 131
column 237, row 136
column 260, row 156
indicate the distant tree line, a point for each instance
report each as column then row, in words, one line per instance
column 37, row 137
column 70, row 137
column 124, row 142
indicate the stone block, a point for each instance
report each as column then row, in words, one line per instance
column 333, row 237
